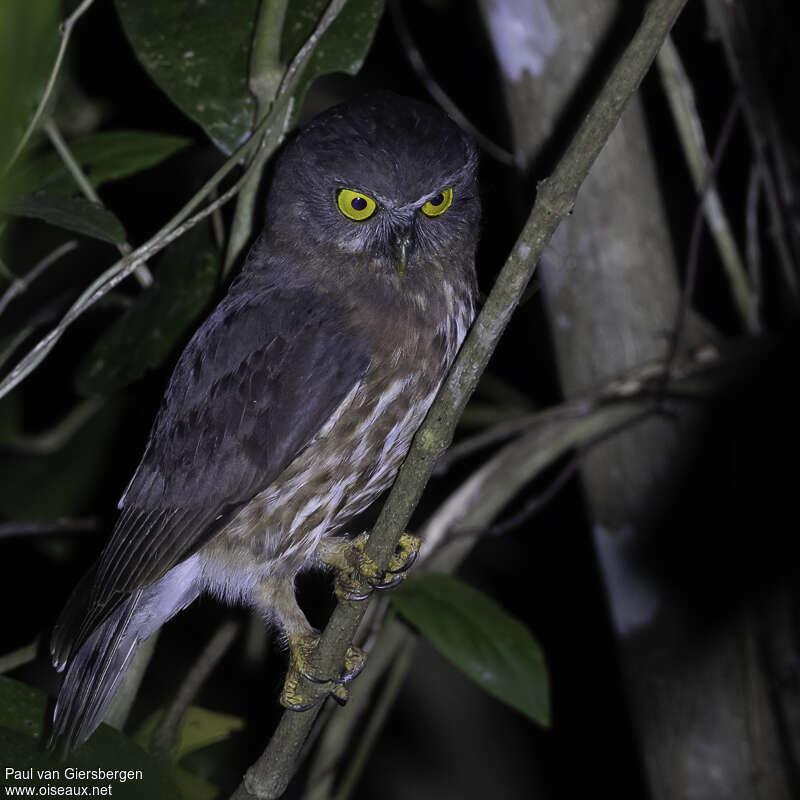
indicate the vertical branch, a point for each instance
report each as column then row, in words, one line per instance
column 266, row 73
column 684, row 111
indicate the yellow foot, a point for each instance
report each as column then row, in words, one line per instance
column 303, row 688
column 358, row 576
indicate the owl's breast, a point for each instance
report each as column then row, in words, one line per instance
column 355, row 454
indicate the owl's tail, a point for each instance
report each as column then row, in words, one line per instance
column 96, row 668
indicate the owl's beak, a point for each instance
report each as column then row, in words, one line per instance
column 402, row 247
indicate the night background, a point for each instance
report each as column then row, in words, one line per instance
column 648, row 548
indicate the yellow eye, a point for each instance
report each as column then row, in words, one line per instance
column 355, row 205
column 439, row 204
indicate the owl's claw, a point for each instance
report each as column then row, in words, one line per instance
column 359, row 576
column 298, row 697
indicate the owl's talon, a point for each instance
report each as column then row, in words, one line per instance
column 405, row 554
column 406, row 565
column 341, row 694
column 297, row 697
column 358, row 575
column 395, row 580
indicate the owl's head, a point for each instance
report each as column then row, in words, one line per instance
column 382, row 180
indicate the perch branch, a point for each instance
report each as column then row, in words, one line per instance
column 270, row 775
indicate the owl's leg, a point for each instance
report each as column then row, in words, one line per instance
column 303, row 687
column 357, row 575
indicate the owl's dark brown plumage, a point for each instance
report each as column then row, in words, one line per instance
column 295, row 402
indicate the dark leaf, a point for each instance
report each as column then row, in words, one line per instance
column 198, row 54
column 483, row 641
column 73, row 213
column 344, row 45
column 104, row 157
column 24, row 721
column 143, row 337
column 200, row 728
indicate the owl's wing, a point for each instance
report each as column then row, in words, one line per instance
column 255, row 384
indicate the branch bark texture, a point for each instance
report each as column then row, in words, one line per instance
column 270, row 775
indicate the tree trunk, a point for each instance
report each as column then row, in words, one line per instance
column 611, row 291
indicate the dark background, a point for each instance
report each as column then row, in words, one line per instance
column 729, row 538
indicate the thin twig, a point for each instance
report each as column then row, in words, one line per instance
column 54, row 438
column 141, row 272
column 697, row 230
column 66, row 32
column 20, row 285
column 266, row 137
column 16, row 658
column 120, row 270
column 380, row 712
column 270, row 775
column 165, row 735
column 539, row 501
column 680, row 96
column 753, row 246
column 480, row 441
column 50, row 527
column 743, row 64
column 417, row 61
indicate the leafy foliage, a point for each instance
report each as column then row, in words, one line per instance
column 72, row 213
column 199, row 53
column 24, row 719
column 487, row 644
column 104, row 157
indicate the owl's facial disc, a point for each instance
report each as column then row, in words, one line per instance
column 398, row 220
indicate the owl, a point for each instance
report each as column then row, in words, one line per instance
column 295, row 402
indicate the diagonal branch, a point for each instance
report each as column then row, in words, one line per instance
column 556, row 195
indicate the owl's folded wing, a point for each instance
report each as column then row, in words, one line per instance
column 255, row 384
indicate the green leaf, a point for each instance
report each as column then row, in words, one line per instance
column 144, row 337
column 483, row 641
column 28, row 42
column 344, row 45
column 104, row 157
column 200, row 728
column 73, row 213
column 24, row 720
column 198, row 54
